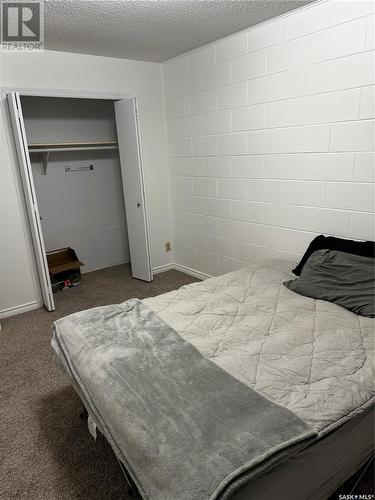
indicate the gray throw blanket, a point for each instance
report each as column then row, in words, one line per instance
column 184, row 428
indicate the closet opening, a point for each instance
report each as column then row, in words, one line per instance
column 81, row 168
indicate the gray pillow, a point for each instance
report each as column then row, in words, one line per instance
column 345, row 279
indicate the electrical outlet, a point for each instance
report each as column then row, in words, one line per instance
column 168, row 246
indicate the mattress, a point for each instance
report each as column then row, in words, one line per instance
column 312, row 474
column 319, row 470
column 311, row 356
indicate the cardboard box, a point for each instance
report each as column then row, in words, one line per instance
column 62, row 260
column 64, row 268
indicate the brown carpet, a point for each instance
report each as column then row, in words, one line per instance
column 46, row 451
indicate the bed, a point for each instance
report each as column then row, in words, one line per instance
column 311, row 359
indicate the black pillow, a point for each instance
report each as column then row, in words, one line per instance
column 363, row 248
column 339, row 277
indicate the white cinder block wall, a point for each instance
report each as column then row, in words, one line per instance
column 271, row 135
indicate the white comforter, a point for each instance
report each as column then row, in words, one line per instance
column 310, row 356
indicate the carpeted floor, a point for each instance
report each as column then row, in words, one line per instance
column 46, row 451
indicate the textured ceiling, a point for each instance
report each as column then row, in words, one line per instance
column 151, row 30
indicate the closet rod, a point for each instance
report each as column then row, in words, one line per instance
column 50, row 148
column 45, row 149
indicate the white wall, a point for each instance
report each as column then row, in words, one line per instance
column 84, row 210
column 75, row 72
column 271, row 135
column 50, row 119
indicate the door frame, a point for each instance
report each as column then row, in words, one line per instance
column 74, row 94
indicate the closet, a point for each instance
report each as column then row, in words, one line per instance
column 81, row 170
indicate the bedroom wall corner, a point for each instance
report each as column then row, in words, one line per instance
column 271, row 137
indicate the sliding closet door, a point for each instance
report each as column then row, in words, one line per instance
column 132, row 179
column 15, row 111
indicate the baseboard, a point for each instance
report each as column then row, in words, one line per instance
column 183, row 269
column 12, row 311
column 85, row 270
column 162, row 269
column 191, row 272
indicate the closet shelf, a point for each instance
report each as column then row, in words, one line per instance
column 45, row 149
column 71, row 146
